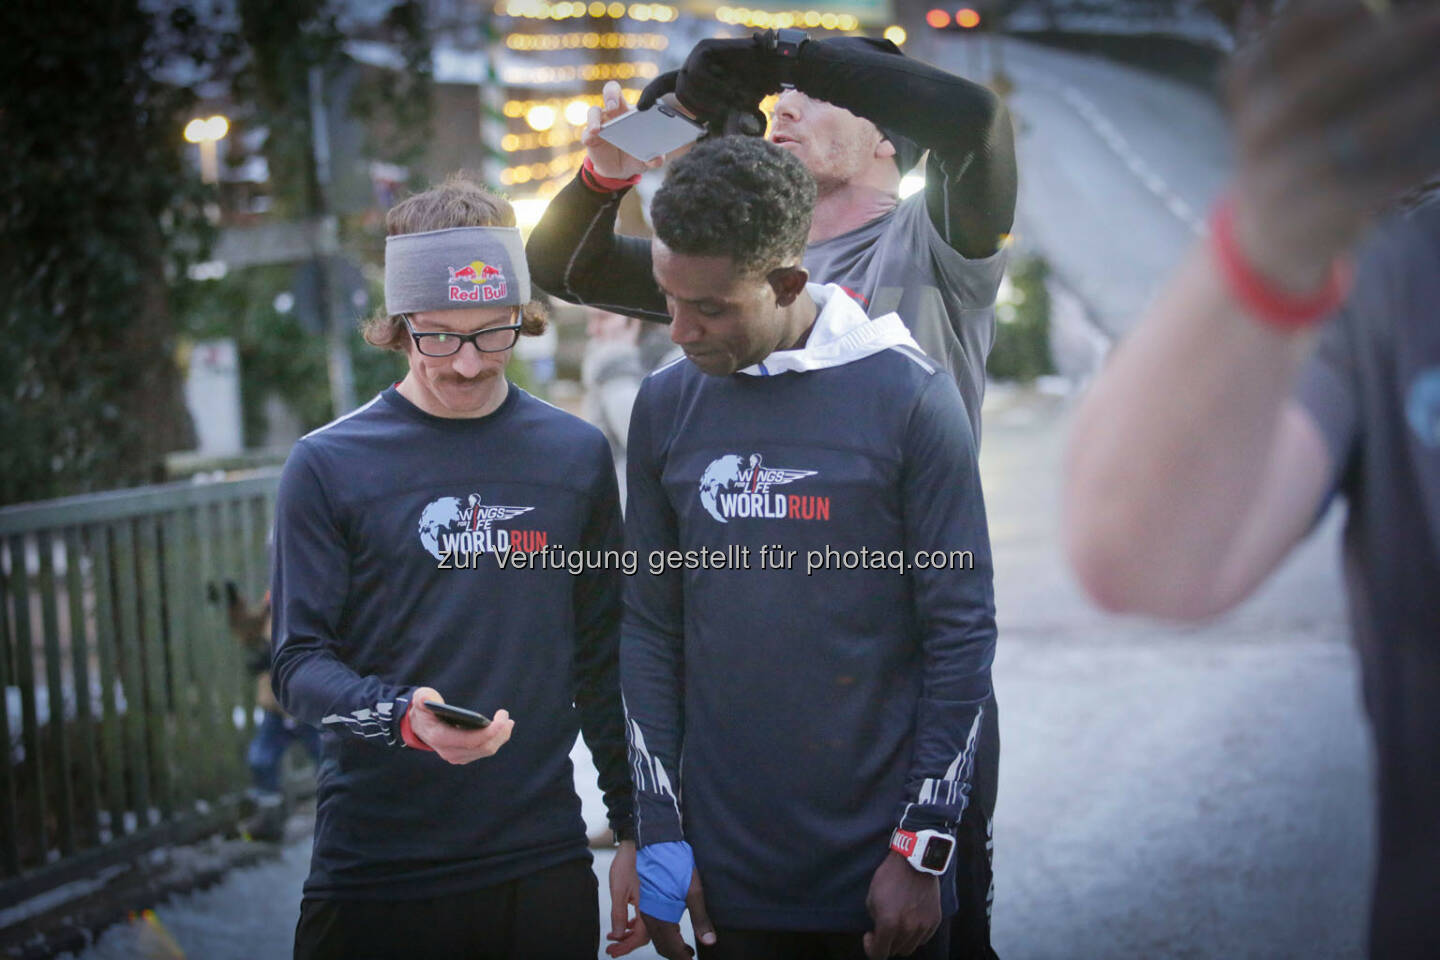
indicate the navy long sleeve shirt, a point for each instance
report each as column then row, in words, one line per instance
column 386, row 578
column 782, row 720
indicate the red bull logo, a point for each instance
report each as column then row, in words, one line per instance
column 477, row 282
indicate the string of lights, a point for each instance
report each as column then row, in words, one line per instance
column 521, row 108
column 539, row 76
column 813, row 19
column 545, row 42
column 540, row 10
column 543, row 170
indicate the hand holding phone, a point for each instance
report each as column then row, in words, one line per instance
column 609, row 151
column 456, row 735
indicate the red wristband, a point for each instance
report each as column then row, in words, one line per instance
column 1256, row 294
column 602, row 184
column 408, row 735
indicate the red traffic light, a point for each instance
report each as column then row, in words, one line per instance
column 938, row 19
column 966, row 18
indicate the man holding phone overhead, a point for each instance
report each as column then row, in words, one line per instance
column 449, row 826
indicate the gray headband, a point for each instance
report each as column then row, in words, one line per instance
column 455, row 268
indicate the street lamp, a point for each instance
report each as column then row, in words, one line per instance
column 205, row 133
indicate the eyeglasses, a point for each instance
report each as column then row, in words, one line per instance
column 446, row 344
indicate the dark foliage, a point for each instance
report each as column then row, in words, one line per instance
column 98, row 211
column 1022, row 331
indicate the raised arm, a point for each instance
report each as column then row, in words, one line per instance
column 970, row 178
column 574, row 253
column 1191, row 470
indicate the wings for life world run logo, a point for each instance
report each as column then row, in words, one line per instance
column 452, row 529
column 736, row 486
column 477, row 282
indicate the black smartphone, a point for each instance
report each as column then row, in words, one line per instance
column 456, row 716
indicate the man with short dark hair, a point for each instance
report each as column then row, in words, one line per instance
column 397, row 533
column 859, row 115
column 816, row 640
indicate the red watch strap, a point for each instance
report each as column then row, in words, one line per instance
column 1257, row 295
column 408, row 735
column 903, row 842
column 602, row 184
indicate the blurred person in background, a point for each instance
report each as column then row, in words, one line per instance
column 610, row 372
column 859, row 115
column 397, row 528
column 1244, row 401
column 276, row 732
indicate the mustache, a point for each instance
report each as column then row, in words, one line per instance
column 451, row 379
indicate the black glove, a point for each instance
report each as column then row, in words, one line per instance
column 720, row 121
column 733, row 73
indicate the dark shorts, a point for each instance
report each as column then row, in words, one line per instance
column 553, row 914
column 792, row 945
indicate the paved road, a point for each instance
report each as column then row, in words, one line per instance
column 1117, row 168
column 1194, row 793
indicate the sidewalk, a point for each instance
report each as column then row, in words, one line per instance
column 1195, row 792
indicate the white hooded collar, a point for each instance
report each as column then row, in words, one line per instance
column 842, row 334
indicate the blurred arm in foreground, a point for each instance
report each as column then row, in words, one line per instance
column 1212, row 442
column 1196, row 462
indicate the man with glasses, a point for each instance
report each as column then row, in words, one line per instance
column 396, row 530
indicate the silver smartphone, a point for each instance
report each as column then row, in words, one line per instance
column 647, row 134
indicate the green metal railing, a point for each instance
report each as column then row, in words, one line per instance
column 127, row 704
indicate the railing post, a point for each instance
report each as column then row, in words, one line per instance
column 63, row 803
column 158, row 716
column 176, row 588
column 9, row 816
column 25, row 678
column 87, row 805
column 111, row 731
column 130, row 658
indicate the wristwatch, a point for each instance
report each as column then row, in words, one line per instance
column 928, row 851
column 788, row 42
